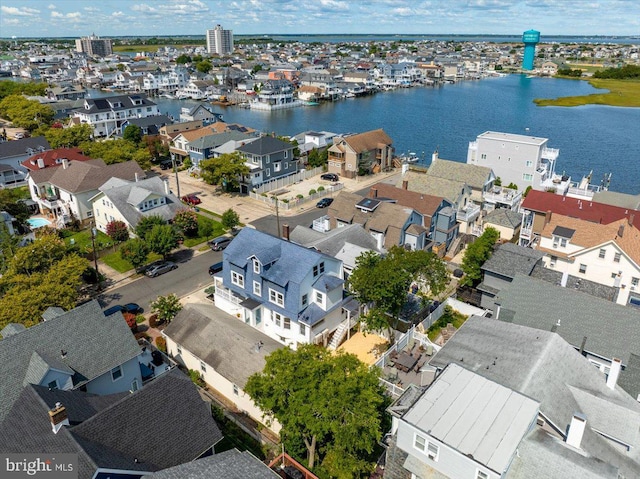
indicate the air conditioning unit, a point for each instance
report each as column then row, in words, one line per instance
column 633, row 288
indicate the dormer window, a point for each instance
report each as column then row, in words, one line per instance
column 256, row 266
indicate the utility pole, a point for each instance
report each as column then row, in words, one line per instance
column 175, row 170
column 277, row 216
column 95, row 253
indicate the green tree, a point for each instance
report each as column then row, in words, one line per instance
column 8, row 247
column 476, row 254
column 68, row 137
column 28, row 114
column 8, row 88
column 39, row 256
column 135, row 251
column 318, row 157
column 187, row 221
column 225, row 170
column 329, row 405
column 183, row 59
column 230, row 219
column 146, row 223
column 204, row 66
column 11, row 202
column 118, row 151
column 117, row 231
column 133, row 134
column 384, row 282
column 162, row 239
column 166, row 307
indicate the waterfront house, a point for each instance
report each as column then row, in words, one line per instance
column 170, row 131
column 201, row 112
column 66, row 190
column 205, row 147
column 130, row 201
column 371, row 151
column 106, row 115
column 149, row 126
column 292, row 294
column 224, row 351
column 268, row 158
column 275, row 95
column 125, row 435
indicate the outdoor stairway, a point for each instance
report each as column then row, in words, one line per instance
column 338, row 336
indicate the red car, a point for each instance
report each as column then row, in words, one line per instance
column 191, row 200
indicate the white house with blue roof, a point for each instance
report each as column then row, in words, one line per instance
column 292, row 294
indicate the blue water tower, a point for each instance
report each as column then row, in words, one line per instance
column 530, row 38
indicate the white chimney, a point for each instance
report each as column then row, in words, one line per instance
column 136, row 173
column 166, row 187
column 434, row 157
column 58, row 417
column 497, row 310
column 614, row 372
column 65, row 163
column 576, row 429
column 40, row 162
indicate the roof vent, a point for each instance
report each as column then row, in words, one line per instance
column 63, row 353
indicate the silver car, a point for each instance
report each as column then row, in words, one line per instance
column 160, row 268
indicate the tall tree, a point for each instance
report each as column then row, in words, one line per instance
column 68, row 137
column 187, row 221
column 166, row 307
column 118, row 151
column 476, row 254
column 225, row 170
column 145, row 224
column 332, row 404
column 133, row 134
column 162, row 239
column 383, row 283
column 29, row 114
column 135, row 251
column 230, row 219
column 118, row 231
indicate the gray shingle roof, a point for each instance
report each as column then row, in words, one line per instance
column 9, row 149
column 504, row 217
column 231, row 464
column 509, row 259
column 473, row 175
column 218, row 139
column 542, row 365
column 97, row 105
column 612, row 330
column 93, row 345
column 40, row 364
column 164, row 424
column 12, row 328
column 265, row 145
column 432, row 185
column 221, row 341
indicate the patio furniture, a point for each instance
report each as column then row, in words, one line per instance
column 405, row 362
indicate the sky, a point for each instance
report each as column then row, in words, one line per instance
column 75, row 18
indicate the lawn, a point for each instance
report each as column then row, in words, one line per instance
column 620, row 93
column 450, row 316
column 82, row 240
column 207, row 229
column 121, row 266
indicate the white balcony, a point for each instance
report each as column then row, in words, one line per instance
column 550, row 154
column 504, row 196
column 468, row 213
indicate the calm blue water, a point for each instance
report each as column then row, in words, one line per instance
column 599, row 138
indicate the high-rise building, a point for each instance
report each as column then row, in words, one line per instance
column 93, row 45
column 530, row 38
column 219, row 41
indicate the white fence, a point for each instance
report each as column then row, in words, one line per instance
column 278, row 183
column 295, row 202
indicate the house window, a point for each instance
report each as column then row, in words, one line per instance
column 304, row 299
column 53, row 384
column 583, row 268
column 303, row 329
column 116, row 373
column 602, row 253
column 89, row 214
column 254, row 160
column 481, row 475
column 432, row 451
column 527, row 177
column 237, row 279
column 277, row 318
column 614, row 275
column 256, row 266
column 134, row 385
column 286, row 154
column 315, row 271
column 203, row 367
column 319, row 297
column 268, row 157
column 276, row 166
column 179, row 349
column 635, row 281
column 616, row 257
column 419, row 442
column 322, row 267
column 257, row 290
column 236, row 390
column 287, row 323
column 483, row 156
column 276, row 297
column 563, row 242
column 529, row 163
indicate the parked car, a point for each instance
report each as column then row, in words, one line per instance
column 191, row 199
column 19, row 136
column 329, row 177
column 219, row 243
column 132, row 308
column 168, row 164
column 324, row 203
column 160, row 268
column 215, row 268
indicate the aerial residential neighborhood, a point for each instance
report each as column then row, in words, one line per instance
column 245, row 256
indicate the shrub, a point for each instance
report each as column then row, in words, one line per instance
column 141, row 335
column 130, row 319
column 312, row 192
column 230, row 219
column 117, row 231
column 187, row 221
column 320, row 188
column 196, row 378
column 140, row 319
column 153, row 321
column 161, row 344
column 286, row 200
column 299, row 196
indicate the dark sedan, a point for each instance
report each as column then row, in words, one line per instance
column 132, row 308
column 324, row 203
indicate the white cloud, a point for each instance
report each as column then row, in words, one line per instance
column 20, row 12
column 71, row 16
column 117, row 14
column 57, row 15
column 51, row 6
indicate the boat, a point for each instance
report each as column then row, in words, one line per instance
column 310, row 103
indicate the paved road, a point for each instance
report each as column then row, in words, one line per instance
column 192, row 274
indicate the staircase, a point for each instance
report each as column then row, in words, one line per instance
column 338, row 335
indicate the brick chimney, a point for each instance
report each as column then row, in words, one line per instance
column 631, row 218
column 614, row 372
column 285, row 231
column 58, row 417
column 621, row 231
column 576, row 429
column 373, row 192
column 405, row 184
column 547, row 218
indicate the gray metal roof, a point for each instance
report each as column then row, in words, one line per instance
column 509, row 259
column 222, row 341
column 474, row 415
column 93, row 343
column 541, row 365
column 612, row 330
column 231, row 464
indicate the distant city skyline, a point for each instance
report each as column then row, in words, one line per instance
column 69, row 18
